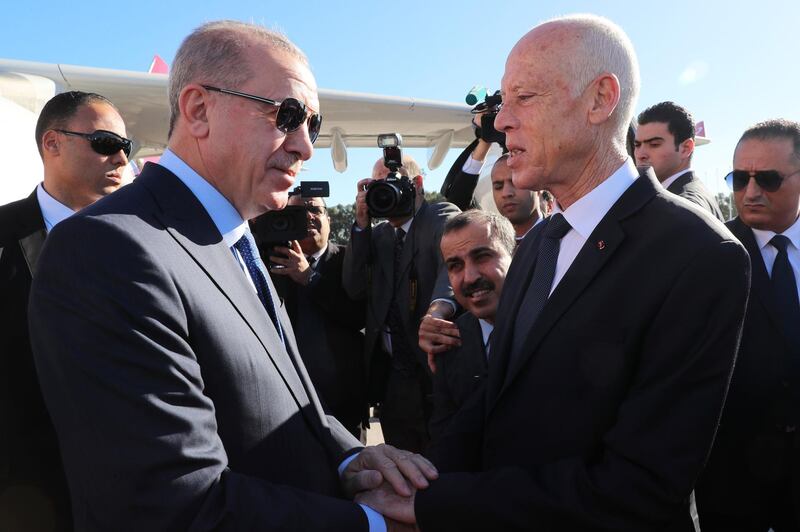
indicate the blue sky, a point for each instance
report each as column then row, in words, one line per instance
column 730, row 63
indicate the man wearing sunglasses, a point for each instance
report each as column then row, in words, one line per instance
column 77, row 172
column 326, row 321
column 664, row 140
column 167, row 362
column 752, row 480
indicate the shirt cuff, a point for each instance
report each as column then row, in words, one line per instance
column 376, row 521
column 346, row 462
column 471, row 166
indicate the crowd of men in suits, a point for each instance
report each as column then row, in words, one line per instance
column 623, row 361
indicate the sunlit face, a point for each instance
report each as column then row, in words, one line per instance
column 319, row 223
column 476, row 266
column 516, row 204
column 544, row 121
column 84, row 176
column 770, row 211
column 249, row 160
column 654, row 146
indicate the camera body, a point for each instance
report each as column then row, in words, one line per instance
column 278, row 228
column 490, row 106
column 392, row 197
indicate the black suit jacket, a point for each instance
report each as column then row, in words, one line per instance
column 605, row 417
column 369, row 275
column 328, row 325
column 691, row 188
column 176, row 404
column 33, row 489
column 458, row 374
column 763, row 395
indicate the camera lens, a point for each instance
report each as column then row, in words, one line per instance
column 382, row 197
column 281, row 223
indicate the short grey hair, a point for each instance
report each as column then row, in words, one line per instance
column 775, row 129
column 500, row 229
column 604, row 47
column 214, row 54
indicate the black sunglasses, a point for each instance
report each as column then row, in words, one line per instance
column 103, row 142
column 291, row 112
column 767, row 180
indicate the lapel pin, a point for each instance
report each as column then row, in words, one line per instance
column 601, row 244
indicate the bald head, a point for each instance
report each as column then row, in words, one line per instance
column 584, row 47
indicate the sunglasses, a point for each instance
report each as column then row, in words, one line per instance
column 292, row 113
column 767, row 180
column 103, row 142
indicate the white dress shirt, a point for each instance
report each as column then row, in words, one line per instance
column 769, row 253
column 585, row 214
column 486, row 331
column 231, row 226
column 53, row 211
column 671, row 179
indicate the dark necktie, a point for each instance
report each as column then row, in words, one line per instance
column 542, row 280
column 784, row 285
column 402, row 356
column 399, row 240
column 256, row 270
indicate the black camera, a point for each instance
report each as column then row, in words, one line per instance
column 392, row 197
column 278, row 228
column 490, row 106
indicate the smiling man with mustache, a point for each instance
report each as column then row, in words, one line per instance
column 477, row 248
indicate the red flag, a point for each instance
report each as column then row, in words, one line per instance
column 158, row 66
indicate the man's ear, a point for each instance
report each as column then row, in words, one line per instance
column 193, row 103
column 605, row 93
column 686, row 148
column 51, row 144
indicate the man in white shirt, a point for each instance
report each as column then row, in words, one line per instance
column 81, row 139
column 617, row 328
column 665, row 141
column 520, row 206
column 752, row 480
column 477, row 247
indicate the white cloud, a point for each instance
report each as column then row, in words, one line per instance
column 696, row 71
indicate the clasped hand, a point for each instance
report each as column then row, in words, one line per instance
column 386, row 479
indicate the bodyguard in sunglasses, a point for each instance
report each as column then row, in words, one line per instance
column 752, row 480
column 167, row 362
column 81, row 139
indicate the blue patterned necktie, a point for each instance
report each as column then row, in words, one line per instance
column 542, row 280
column 256, row 270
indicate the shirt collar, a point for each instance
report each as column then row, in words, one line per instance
column 318, row 254
column 584, row 215
column 53, row 211
column 486, row 329
column 226, row 218
column 522, row 237
column 793, row 234
column 674, row 177
column 406, row 226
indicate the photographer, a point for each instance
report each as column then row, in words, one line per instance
column 397, row 268
column 327, row 323
column 461, row 180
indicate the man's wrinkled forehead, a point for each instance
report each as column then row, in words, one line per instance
column 541, row 51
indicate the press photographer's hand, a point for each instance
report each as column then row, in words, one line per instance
column 294, row 262
column 362, row 211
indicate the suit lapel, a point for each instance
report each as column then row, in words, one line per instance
column 35, row 233
column 189, row 224
column 759, row 278
column 677, row 186
column 411, row 244
column 517, row 280
column 601, row 245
